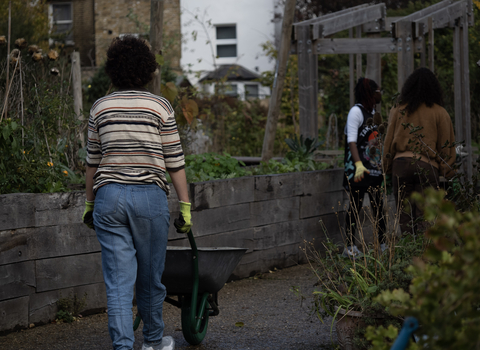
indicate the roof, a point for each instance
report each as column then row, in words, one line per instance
column 232, row 72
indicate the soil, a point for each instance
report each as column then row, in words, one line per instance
column 260, row 312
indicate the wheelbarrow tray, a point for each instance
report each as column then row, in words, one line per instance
column 215, row 265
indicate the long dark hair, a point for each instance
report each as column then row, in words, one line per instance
column 422, row 86
column 365, row 93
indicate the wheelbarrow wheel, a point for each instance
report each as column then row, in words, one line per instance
column 190, row 337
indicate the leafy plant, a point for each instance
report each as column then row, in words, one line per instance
column 68, row 309
column 443, row 294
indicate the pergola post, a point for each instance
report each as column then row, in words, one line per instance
column 352, row 69
column 463, row 132
column 307, row 83
column 405, row 52
column 373, row 70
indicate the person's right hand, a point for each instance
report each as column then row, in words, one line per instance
column 359, row 171
column 184, row 222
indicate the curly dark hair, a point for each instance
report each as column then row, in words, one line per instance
column 130, row 62
column 422, row 86
column 365, row 93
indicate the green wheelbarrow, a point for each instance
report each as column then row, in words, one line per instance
column 195, row 275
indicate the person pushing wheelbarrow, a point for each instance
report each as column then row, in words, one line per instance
column 132, row 142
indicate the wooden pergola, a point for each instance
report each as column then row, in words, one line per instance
column 408, row 36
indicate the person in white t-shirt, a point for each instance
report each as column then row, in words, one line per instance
column 363, row 171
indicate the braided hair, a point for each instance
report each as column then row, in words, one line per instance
column 365, row 93
column 422, row 86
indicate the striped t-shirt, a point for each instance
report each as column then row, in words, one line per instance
column 133, row 139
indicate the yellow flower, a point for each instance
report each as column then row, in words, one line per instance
column 23, row 152
column 65, row 173
column 50, row 164
column 89, row 86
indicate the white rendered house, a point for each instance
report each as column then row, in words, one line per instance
column 225, row 36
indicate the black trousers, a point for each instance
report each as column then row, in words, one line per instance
column 410, row 176
column 357, row 194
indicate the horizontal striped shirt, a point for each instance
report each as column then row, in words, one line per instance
column 133, row 139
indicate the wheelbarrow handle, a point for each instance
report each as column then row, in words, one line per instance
column 410, row 325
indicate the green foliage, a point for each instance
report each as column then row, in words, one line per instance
column 443, row 295
column 211, row 166
column 301, row 149
column 38, row 139
column 68, row 309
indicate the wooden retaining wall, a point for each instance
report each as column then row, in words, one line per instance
column 47, row 253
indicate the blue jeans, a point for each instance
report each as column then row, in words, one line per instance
column 131, row 222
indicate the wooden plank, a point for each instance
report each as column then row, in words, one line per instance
column 59, row 208
column 330, row 15
column 43, row 306
column 431, row 45
column 17, row 280
column 77, row 93
column 326, row 181
column 358, row 31
column 14, row 313
column 307, row 84
column 70, row 271
column 355, row 46
column 457, row 84
column 277, row 235
column 270, row 212
column 268, row 187
column 380, row 25
column 441, row 18
column 222, row 219
column 321, row 205
column 336, row 24
column 397, row 31
column 373, row 69
column 405, row 53
column 264, row 260
column 466, row 112
column 219, row 193
column 351, row 73
column 18, row 211
column 47, row 242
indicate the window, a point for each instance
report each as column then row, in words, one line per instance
column 228, row 89
column 61, row 20
column 227, row 50
column 251, row 91
column 226, row 40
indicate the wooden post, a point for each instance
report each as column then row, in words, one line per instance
column 358, row 31
column 156, row 32
column 466, row 113
column 307, row 84
column 8, row 57
column 405, row 52
column 373, row 70
column 457, row 83
column 352, row 78
column 431, row 44
column 77, row 91
column 277, row 89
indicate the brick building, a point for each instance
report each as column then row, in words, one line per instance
column 91, row 25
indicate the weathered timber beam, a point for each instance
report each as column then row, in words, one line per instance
column 347, row 46
column 354, row 46
column 417, row 15
column 379, row 26
column 441, row 18
column 330, row 15
column 348, row 20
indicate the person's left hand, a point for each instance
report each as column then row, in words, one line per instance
column 87, row 217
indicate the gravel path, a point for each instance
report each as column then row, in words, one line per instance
column 273, row 318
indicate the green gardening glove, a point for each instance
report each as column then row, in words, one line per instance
column 184, row 221
column 359, row 170
column 87, row 217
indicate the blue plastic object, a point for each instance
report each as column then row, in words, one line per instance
column 410, row 325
